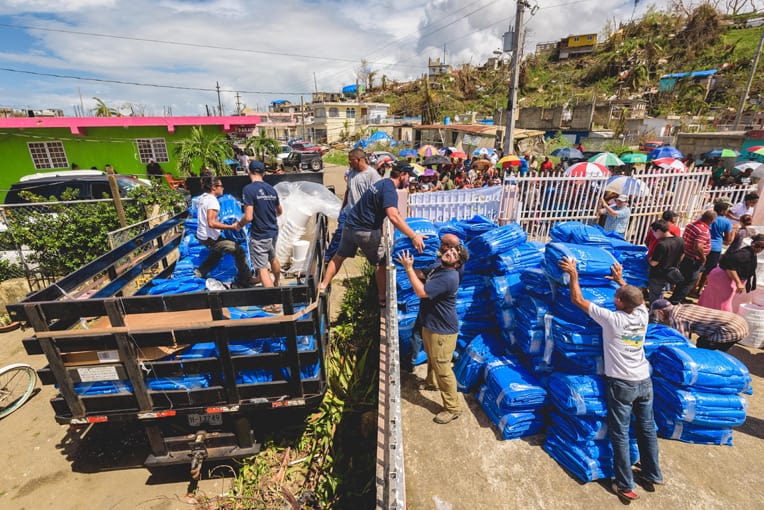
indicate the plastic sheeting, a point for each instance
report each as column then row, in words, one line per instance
column 600, row 296
column 701, row 369
column 711, row 410
column 509, row 425
column 671, row 428
column 586, row 461
column 578, row 394
column 660, row 334
column 512, row 387
column 580, row 428
column 495, row 241
column 537, row 283
column 468, row 369
column 592, row 262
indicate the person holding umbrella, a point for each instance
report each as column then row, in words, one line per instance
column 617, row 219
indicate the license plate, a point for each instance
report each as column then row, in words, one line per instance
column 195, row 420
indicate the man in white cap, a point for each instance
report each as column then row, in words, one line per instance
column 617, row 217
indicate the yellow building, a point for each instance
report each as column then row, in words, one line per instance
column 574, row 45
column 332, row 120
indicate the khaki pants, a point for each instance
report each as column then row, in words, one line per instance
column 440, row 350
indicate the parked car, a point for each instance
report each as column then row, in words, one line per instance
column 90, row 184
column 277, row 161
column 304, row 160
column 648, row 147
column 305, row 146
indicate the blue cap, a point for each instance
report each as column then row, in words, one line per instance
column 256, row 166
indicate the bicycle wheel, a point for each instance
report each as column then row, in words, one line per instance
column 17, row 383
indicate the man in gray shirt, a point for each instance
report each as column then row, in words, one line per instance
column 627, row 378
column 360, row 178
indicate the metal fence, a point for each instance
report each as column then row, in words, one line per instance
column 460, row 204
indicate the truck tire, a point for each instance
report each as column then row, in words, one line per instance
column 316, row 165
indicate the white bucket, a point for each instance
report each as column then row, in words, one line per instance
column 300, row 250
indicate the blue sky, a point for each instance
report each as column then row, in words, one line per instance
column 265, row 49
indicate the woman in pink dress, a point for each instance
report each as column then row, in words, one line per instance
column 736, row 273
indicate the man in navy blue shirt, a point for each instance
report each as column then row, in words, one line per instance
column 261, row 208
column 440, row 323
column 363, row 228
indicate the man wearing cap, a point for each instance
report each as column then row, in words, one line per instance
column 261, row 208
column 669, row 217
column 716, row 329
column 617, row 217
column 440, row 324
column 697, row 246
column 627, row 377
column 363, row 228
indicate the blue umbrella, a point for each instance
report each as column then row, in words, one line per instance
column 483, row 151
column 408, row 153
column 568, row 153
column 666, row 151
column 721, row 153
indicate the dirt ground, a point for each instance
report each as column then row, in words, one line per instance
column 46, row 466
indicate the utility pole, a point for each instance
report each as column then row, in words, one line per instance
column 302, row 113
column 238, row 103
column 744, row 97
column 315, row 83
column 220, row 104
column 517, row 39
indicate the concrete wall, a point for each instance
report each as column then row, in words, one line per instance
column 698, row 143
column 537, row 117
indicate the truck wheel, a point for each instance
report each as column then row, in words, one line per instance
column 316, row 165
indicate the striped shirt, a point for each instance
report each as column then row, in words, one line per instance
column 715, row 325
column 694, row 233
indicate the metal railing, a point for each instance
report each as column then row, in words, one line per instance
column 461, row 204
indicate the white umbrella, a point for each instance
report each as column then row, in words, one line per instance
column 745, row 165
column 625, row 185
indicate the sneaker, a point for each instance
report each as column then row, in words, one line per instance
column 624, row 494
column 444, row 417
column 198, row 274
column 425, row 386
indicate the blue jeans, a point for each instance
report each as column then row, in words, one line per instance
column 623, row 397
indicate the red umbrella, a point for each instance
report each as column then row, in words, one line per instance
column 458, row 155
column 671, row 164
column 586, row 169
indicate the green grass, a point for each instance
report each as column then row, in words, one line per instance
column 336, row 157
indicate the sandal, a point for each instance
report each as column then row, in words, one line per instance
column 625, row 494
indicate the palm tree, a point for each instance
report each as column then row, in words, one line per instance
column 103, row 110
column 263, row 144
column 208, row 151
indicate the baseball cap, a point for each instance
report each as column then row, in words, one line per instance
column 622, row 198
column 256, row 167
column 669, row 215
column 659, row 304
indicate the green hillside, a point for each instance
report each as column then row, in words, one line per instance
column 628, row 64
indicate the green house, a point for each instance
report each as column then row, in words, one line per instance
column 38, row 144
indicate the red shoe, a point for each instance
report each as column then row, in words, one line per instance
column 625, row 494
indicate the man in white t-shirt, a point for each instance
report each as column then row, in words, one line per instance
column 745, row 207
column 627, row 377
column 208, row 233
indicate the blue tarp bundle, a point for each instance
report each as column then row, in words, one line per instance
column 660, row 334
column 600, row 296
column 468, row 369
column 537, row 366
column 476, row 226
column 592, row 262
column 103, row 387
column 509, row 425
column 304, row 343
column 581, row 363
column 420, row 226
column 514, row 387
column 587, row 461
column 578, row 394
column 701, row 369
column 671, row 428
column 505, row 318
column 495, row 241
column 571, row 336
column 174, row 286
column 578, row 233
column 580, row 428
column 431, row 244
column 530, row 311
column 527, row 255
column 188, row 382
column 501, row 289
column 537, row 283
column 712, row 410
column 530, row 341
column 452, row 227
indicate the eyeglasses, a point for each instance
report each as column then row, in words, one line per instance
column 217, row 185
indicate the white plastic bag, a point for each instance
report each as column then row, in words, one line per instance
column 754, row 316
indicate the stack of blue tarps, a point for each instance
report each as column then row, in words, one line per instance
column 528, row 334
column 633, row 259
column 565, row 309
column 512, row 398
column 537, row 283
column 468, row 369
column 592, row 262
column 472, row 228
column 660, row 334
column 577, row 437
column 473, row 300
column 173, row 286
column 431, row 243
column 484, row 248
column 696, row 394
column 304, row 343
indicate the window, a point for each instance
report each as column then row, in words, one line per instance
column 334, row 112
column 152, row 148
column 48, row 155
column 320, row 113
column 575, row 39
column 350, row 113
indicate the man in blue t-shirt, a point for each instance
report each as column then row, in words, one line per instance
column 721, row 235
column 261, row 208
column 363, row 228
column 440, row 323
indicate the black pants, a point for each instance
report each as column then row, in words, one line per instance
column 689, row 268
column 655, row 285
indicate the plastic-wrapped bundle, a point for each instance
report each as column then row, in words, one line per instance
column 660, row 334
column 225, row 270
column 476, row 226
column 468, row 369
column 530, row 341
column 453, row 227
column 580, row 428
column 421, row 260
column 510, row 425
column 188, row 382
column 505, row 318
column 712, row 410
column 537, row 283
column 304, row 343
column 515, row 389
column 587, row 461
column 580, row 363
column 470, row 329
column 571, row 336
column 754, row 316
column 421, row 226
column 633, row 258
column 103, row 387
column 514, row 260
column 592, row 262
column 473, row 299
column 498, row 240
column 253, row 376
column 565, row 309
column 500, row 293
column 247, row 347
column 537, row 366
column 701, row 369
column 578, row 233
column 578, row 394
column 174, row 286
column 530, row 311
column 671, row 428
